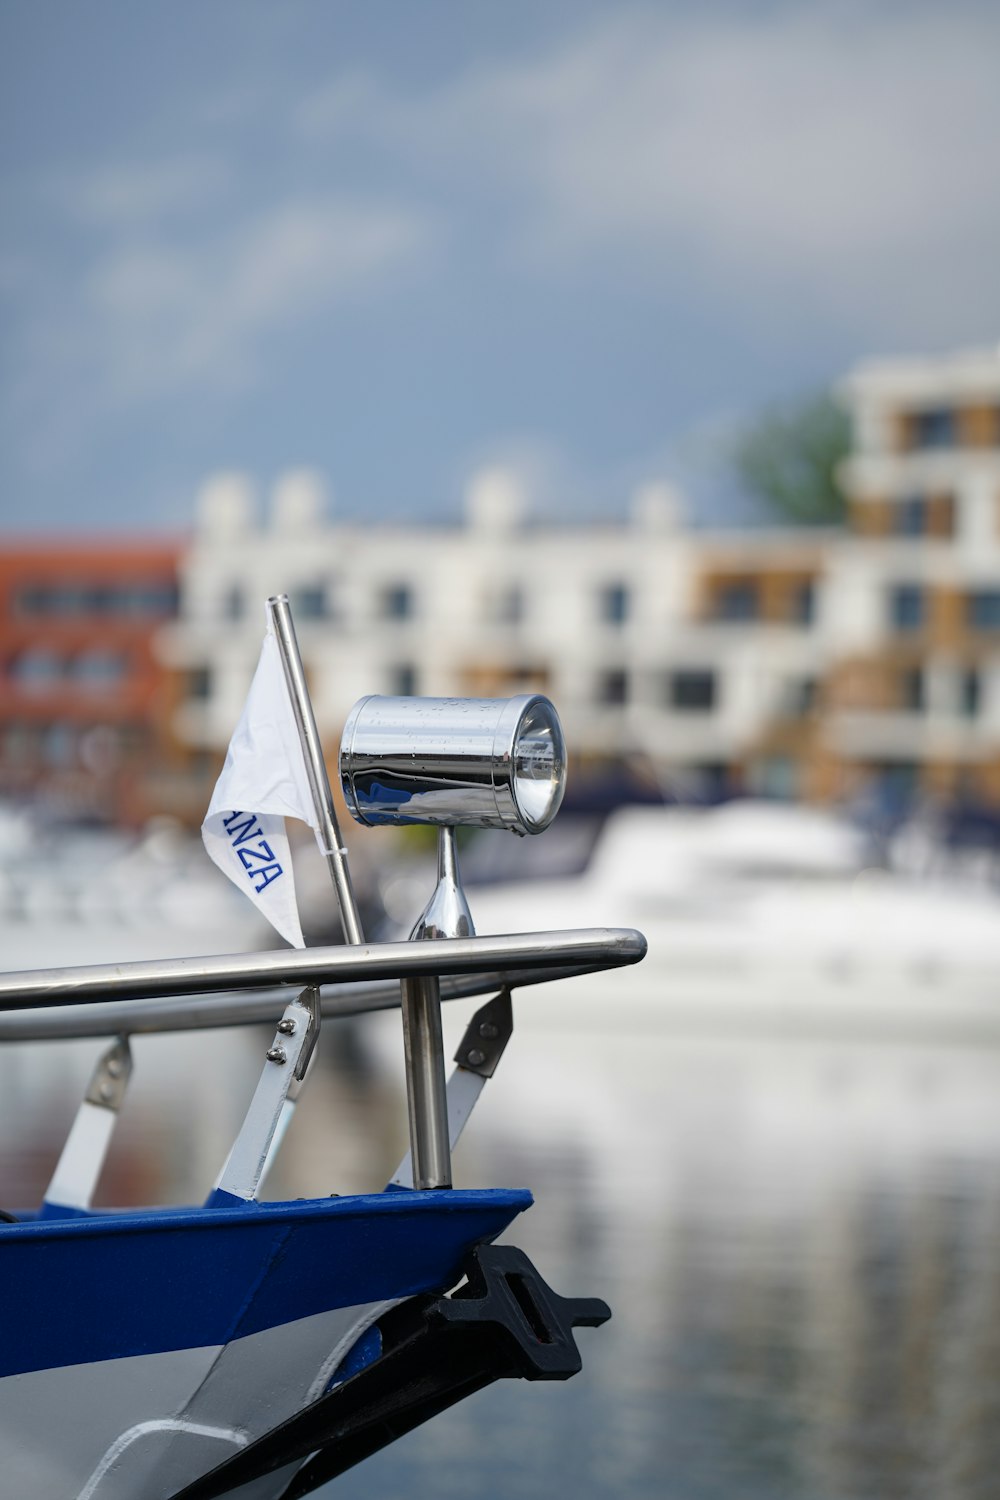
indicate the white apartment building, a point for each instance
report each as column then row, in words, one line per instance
column 789, row 662
column 915, row 588
column 608, row 620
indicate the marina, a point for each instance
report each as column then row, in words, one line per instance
column 499, row 751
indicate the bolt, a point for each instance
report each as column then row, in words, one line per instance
column 488, row 1030
column 114, row 1067
column 475, row 1057
column 106, row 1091
column 277, row 1054
column 286, row 1026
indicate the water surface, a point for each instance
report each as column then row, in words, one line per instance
column 801, row 1246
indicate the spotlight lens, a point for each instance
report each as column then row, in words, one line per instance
column 539, row 765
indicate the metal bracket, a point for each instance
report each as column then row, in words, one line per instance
column 109, row 1080
column 256, row 1144
column 82, row 1158
column 486, row 1036
column 309, row 997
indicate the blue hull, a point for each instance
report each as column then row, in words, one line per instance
column 138, row 1348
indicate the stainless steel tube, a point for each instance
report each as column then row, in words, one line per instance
column 210, row 1012
column 426, row 1099
column 588, row 947
column 447, row 916
column 319, row 782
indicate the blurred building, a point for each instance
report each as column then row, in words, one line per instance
column 793, row 663
column 638, row 637
column 86, row 707
column 914, row 691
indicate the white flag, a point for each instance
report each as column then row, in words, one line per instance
column 263, row 781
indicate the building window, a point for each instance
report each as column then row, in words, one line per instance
column 99, row 669
column 30, row 599
column 907, row 606
column 614, row 601
column 74, row 600
column 910, row 516
column 505, row 605
column 59, row 746
column 153, row 598
column 612, row 687
column 37, row 669
column 402, row 681
column 396, row 602
column 920, row 515
column 309, row 602
column 911, row 690
column 233, row 603
column 803, row 602
column 983, row 609
column 799, row 697
column 736, row 601
column 63, row 599
column 691, row 690
column 20, row 744
column 970, row 692
column 199, row 683
column 100, row 599
column 528, row 677
column 934, row 428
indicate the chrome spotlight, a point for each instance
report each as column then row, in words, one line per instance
column 474, row 762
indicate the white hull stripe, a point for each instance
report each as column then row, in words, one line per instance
column 147, row 1425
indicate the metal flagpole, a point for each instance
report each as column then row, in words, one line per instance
column 319, row 782
column 334, row 850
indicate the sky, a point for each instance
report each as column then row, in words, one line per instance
column 399, row 242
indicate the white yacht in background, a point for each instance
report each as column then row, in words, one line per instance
column 95, row 894
column 769, row 917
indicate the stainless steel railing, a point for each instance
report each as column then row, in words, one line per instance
column 468, row 966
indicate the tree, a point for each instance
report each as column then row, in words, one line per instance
column 789, row 458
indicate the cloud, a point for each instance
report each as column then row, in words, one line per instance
column 350, row 102
column 125, row 195
column 837, row 151
column 821, row 177
column 161, row 313
column 179, row 313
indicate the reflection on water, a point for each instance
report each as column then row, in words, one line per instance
column 801, row 1245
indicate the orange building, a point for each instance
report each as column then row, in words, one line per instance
column 85, row 707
